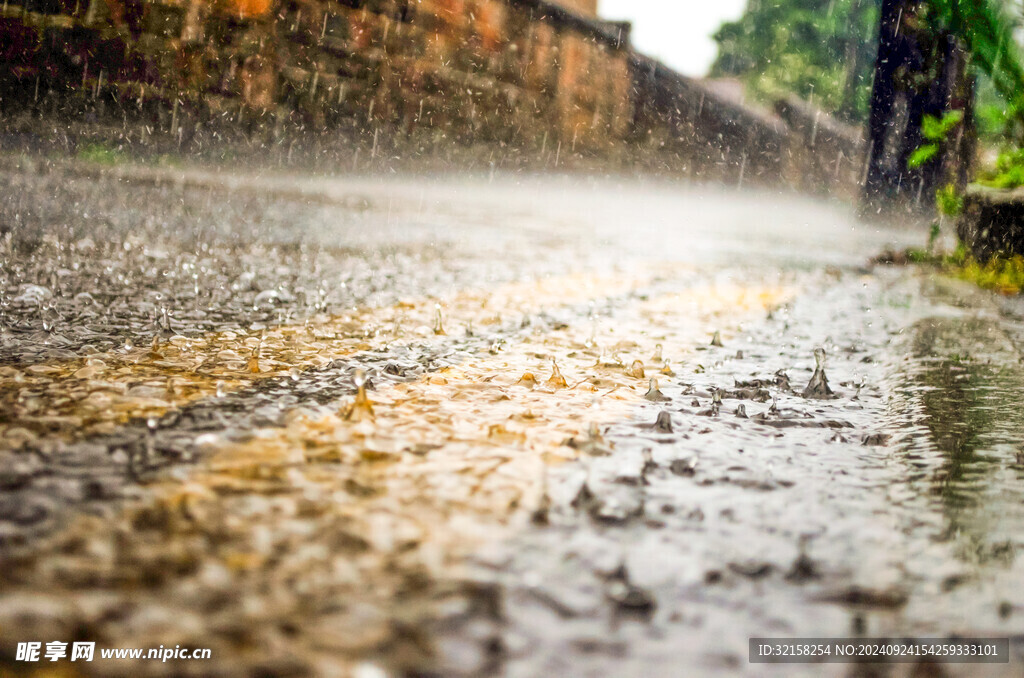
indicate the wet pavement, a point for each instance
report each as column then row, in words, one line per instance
column 482, row 426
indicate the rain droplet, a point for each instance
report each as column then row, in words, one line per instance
column 653, row 393
column 528, row 380
column 265, row 300
column 636, row 370
column 818, row 386
column 359, row 378
column 556, row 381
column 438, row 320
column 362, row 407
column 254, row 360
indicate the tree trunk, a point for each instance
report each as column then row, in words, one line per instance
column 920, row 70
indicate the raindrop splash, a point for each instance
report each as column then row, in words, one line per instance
column 361, row 408
column 664, row 422
column 528, row 380
column 818, row 386
column 254, row 360
column 556, row 381
column 438, row 320
column 654, row 394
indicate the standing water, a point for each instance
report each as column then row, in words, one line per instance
column 328, row 479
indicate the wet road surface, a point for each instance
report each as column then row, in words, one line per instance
column 490, row 426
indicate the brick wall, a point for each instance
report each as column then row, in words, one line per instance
column 476, row 69
column 528, row 74
column 586, row 7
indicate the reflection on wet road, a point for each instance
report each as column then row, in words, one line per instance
column 609, row 427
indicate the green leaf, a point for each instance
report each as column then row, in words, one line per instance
column 937, row 129
column 923, row 154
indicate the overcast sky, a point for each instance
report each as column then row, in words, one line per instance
column 677, row 32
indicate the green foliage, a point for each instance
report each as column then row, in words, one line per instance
column 991, row 120
column 823, row 50
column 988, row 31
column 958, row 257
column 921, row 155
column 1008, row 172
column 1002, row 274
column 937, row 129
column 949, row 201
column 820, row 50
column 991, row 114
column 100, row 154
column 916, row 255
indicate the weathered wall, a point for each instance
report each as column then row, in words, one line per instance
column 472, row 69
column 587, row 7
column 831, row 155
column 527, row 74
column 712, row 136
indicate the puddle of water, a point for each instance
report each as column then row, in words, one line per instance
column 957, row 434
column 69, row 400
column 797, row 519
column 351, row 531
